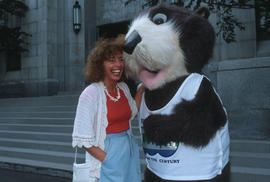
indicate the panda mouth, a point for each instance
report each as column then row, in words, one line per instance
column 153, row 72
column 151, row 79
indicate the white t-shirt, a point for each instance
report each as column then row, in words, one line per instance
column 177, row 161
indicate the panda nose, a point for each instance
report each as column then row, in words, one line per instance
column 131, row 42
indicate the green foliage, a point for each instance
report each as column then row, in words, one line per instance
column 12, row 38
column 13, row 7
column 263, row 19
column 226, row 22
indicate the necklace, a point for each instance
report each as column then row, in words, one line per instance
column 111, row 97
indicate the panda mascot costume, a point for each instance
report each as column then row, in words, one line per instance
column 183, row 123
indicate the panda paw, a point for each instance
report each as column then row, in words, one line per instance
column 156, row 129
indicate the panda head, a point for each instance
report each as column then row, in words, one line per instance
column 166, row 42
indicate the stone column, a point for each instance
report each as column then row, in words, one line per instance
column 72, row 48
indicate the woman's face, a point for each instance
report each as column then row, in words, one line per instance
column 113, row 67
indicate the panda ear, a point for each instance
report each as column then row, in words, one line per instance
column 203, row 11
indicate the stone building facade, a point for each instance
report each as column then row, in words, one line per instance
column 56, row 56
column 240, row 71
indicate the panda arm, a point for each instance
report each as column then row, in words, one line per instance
column 193, row 122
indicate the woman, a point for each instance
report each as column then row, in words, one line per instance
column 104, row 112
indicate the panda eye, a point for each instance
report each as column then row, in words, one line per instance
column 159, row 18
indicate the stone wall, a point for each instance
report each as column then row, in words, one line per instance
column 32, row 79
column 240, row 72
column 57, row 55
column 115, row 11
column 70, row 48
column 244, row 86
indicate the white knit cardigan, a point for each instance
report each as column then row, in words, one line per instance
column 91, row 120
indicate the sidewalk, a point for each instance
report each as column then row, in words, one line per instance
column 15, row 176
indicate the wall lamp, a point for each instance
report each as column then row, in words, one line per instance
column 76, row 17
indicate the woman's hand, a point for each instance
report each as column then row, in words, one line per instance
column 96, row 152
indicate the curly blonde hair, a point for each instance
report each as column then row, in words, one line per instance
column 104, row 48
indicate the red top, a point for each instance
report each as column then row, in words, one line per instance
column 118, row 113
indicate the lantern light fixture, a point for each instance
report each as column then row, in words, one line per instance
column 76, row 17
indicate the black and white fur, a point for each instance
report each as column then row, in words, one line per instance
column 176, row 42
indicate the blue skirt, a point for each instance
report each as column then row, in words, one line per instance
column 122, row 162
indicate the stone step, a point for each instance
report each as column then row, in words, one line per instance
column 66, row 93
column 33, row 101
column 36, row 127
column 39, row 145
column 37, row 132
column 15, row 173
column 42, row 136
column 42, row 108
column 246, row 174
column 43, row 114
column 36, row 163
column 257, row 146
column 250, row 159
column 41, row 155
column 40, row 103
column 37, row 120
